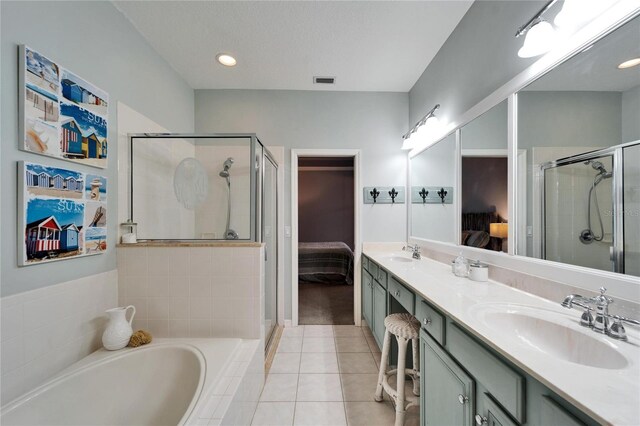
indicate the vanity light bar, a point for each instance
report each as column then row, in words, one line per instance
column 535, row 19
column 421, row 122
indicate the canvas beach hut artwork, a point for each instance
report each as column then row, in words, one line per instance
column 56, row 212
column 52, row 229
column 62, row 114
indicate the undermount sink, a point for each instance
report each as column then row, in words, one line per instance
column 399, row 259
column 552, row 333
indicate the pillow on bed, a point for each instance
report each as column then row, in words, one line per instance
column 464, row 237
column 478, row 239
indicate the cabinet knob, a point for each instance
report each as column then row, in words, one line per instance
column 463, row 399
column 480, row 420
column 426, row 321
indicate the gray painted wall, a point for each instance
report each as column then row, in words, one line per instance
column 371, row 122
column 630, row 114
column 477, row 58
column 108, row 52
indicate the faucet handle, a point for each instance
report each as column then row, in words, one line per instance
column 602, row 300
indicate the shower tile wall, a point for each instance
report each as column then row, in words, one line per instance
column 194, row 291
column 48, row 329
column 632, row 210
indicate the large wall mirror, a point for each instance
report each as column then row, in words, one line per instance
column 579, row 126
column 484, row 177
column 433, row 180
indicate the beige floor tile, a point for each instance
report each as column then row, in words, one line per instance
column 359, row 387
column 293, row 331
column 285, row 362
column 319, row 387
column 290, row 344
column 274, row 414
column 356, row 363
column 347, row 331
column 319, row 414
column 370, row 413
column 280, row 387
column 318, row 331
column 323, row 362
column 352, row 344
column 373, row 345
column 318, row 344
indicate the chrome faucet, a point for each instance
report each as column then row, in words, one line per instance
column 415, row 249
column 602, row 322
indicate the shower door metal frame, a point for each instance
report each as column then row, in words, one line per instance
column 617, row 197
column 269, row 157
column 253, row 228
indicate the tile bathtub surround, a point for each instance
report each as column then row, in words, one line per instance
column 332, row 385
column 48, row 329
column 193, row 291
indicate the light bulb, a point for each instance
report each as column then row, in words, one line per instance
column 539, row 40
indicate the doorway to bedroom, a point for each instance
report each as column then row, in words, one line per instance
column 326, row 239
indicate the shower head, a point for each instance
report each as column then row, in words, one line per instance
column 227, row 165
column 597, row 165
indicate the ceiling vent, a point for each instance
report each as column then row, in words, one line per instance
column 324, row 80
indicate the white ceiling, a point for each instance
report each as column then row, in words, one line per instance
column 366, row 45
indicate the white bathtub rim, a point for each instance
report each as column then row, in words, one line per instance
column 104, row 357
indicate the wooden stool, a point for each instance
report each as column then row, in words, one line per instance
column 404, row 327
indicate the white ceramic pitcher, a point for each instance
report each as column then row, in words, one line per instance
column 119, row 330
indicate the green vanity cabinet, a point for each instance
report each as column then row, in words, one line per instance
column 447, row 392
column 367, row 296
column 379, row 312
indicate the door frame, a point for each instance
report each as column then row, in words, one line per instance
column 357, row 201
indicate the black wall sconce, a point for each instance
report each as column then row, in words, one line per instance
column 442, row 194
column 374, row 193
column 423, row 194
column 393, row 194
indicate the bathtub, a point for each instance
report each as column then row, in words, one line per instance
column 168, row 382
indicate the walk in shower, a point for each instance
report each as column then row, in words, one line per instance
column 206, row 188
column 591, row 209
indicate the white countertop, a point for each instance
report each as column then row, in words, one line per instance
column 610, row 396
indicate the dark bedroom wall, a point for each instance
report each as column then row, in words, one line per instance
column 325, row 206
column 484, row 185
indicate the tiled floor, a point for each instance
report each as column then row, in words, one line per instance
column 326, row 375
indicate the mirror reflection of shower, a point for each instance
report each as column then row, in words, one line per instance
column 587, row 236
column 229, row 234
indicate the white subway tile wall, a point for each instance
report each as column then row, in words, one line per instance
column 48, row 329
column 193, row 291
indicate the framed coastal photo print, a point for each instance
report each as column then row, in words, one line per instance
column 62, row 214
column 61, row 114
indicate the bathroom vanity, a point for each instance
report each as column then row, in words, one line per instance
column 494, row 355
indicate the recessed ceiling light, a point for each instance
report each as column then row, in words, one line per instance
column 630, row 63
column 226, row 59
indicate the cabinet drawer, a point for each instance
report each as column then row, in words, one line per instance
column 430, row 319
column 504, row 384
column 365, row 262
column 381, row 277
column 373, row 269
column 402, row 295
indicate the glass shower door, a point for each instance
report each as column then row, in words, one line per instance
column 270, row 239
column 578, row 213
column 631, row 210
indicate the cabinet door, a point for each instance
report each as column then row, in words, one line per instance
column 490, row 414
column 379, row 312
column 367, row 297
column 552, row 413
column 447, row 392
